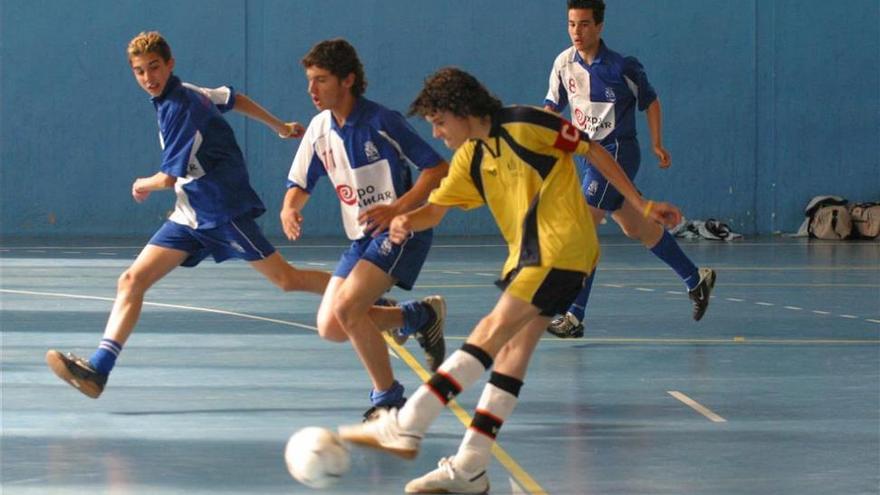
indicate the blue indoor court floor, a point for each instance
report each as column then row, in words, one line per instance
column 776, row 391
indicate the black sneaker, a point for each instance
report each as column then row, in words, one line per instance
column 566, row 326
column 430, row 336
column 77, row 372
column 700, row 294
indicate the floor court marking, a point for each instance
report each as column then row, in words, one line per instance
column 696, row 406
column 518, row 473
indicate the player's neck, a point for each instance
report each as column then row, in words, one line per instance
column 343, row 109
column 480, row 127
column 589, row 54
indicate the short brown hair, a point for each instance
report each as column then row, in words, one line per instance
column 149, row 42
column 454, row 90
column 341, row 59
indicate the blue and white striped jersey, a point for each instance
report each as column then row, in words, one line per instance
column 366, row 159
column 603, row 95
column 199, row 148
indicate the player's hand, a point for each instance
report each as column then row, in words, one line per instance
column 399, row 230
column 662, row 156
column 665, row 214
column 291, row 223
column 292, row 130
column 377, row 219
column 139, row 191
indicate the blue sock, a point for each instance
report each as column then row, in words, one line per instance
column 392, row 397
column 579, row 307
column 104, row 358
column 415, row 315
column 669, row 251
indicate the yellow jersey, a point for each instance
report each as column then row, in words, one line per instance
column 524, row 172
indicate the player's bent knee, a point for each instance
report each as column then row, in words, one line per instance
column 329, row 329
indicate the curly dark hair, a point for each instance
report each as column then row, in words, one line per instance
column 597, row 6
column 341, row 59
column 454, row 90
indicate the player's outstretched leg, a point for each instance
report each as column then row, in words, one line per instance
column 382, row 431
column 448, row 478
column 701, row 293
column 78, row 372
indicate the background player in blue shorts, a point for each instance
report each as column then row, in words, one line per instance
column 365, row 150
column 516, row 160
column 215, row 210
column 603, row 89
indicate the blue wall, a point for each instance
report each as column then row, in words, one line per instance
column 766, row 102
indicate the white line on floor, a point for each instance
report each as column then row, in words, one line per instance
column 696, row 406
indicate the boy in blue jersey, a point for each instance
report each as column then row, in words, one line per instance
column 603, row 89
column 215, row 210
column 517, row 161
column 365, row 150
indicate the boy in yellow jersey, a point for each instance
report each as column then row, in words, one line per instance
column 517, row 160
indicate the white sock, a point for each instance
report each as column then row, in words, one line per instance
column 496, row 404
column 458, row 372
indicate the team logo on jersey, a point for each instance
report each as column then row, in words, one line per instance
column 572, row 86
column 346, row 194
column 592, row 188
column 609, row 94
column 371, row 151
column 580, row 118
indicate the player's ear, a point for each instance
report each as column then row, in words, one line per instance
column 171, row 64
column 348, row 82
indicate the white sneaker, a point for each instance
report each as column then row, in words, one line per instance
column 383, row 432
column 448, row 479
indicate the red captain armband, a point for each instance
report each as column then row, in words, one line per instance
column 568, row 138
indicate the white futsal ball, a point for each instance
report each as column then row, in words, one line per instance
column 316, row 457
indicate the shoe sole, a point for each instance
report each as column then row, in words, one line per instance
column 58, row 364
column 367, row 441
column 440, row 327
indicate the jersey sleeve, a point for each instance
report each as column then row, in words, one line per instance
column 638, row 82
column 557, row 97
column 457, row 188
column 539, row 129
column 307, row 167
column 407, row 140
column 179, row 135
column 223, row 97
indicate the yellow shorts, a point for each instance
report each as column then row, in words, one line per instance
column 549, row 289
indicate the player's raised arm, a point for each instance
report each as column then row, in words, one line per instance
column 252, row 109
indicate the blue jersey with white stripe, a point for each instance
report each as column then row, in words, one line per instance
column 367, row 159
column 200, row 150
column 603, row 95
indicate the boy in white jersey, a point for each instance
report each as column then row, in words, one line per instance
column 365, row 150
column 604, row 89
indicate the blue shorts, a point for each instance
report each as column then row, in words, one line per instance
column 403, row 262
column 598, row 191
column 241, row 238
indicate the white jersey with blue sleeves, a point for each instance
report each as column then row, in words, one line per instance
column 200, row 150
column 367, row 159
column 603, row 95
